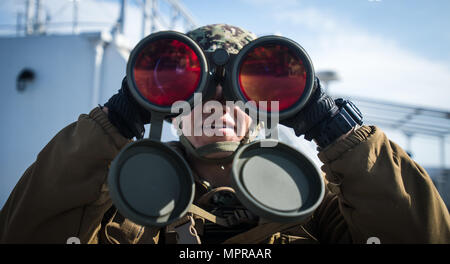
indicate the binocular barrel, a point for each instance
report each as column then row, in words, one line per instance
column 153, row 185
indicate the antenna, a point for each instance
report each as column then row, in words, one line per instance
column 28, row 17
column 145, row 7
column 75, row 16
column 19, row 23
column 38, row 26
column 37, row 11
column 33, row 17
column 121, row 21
column 119, row 27
column 154, row 15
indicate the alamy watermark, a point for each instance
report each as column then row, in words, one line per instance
column 373, row 240
column 73, row 240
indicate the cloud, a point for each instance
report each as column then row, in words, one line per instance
column 369, row 65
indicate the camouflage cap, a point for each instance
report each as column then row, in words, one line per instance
column 230, row 38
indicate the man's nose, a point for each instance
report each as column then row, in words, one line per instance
column 219, row 93
column 221, row 98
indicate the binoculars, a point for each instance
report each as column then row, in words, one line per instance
column 153, row 185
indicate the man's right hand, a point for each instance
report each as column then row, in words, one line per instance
column 126, row 114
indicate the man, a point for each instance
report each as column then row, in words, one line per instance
column 373, row 187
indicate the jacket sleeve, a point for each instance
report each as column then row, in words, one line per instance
column 381, row 192
column 63, row 193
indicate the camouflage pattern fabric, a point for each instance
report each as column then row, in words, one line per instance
column 212, row 37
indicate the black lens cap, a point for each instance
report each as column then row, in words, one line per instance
column 220, row 56
column 277, row 183
column 150, row 183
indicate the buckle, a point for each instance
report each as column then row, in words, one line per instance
column 186, row 233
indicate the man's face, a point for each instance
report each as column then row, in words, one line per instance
column 233, row 126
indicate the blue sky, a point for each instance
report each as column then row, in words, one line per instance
column 418, row 25
column 383, row 46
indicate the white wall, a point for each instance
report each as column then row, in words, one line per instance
column 61, row 91
column 114, row 69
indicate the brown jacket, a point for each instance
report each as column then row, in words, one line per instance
column 373, row 190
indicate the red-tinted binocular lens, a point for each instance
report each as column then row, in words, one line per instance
column 167, row 70
column 168, row 66
column 272, row 72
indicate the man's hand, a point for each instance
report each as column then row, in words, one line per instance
column 126, row 114
column 315, row 118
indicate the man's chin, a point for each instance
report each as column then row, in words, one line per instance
column 221, row 134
